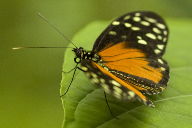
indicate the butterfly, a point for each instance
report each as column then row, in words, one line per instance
column 126, row 59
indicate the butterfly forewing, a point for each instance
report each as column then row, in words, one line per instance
column 141, row 29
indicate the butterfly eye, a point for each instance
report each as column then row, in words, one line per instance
column 77, row 60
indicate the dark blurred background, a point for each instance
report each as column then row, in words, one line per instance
column 30, row 78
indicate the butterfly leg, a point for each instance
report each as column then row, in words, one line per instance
column 109, row 107
column 75, row 69
column 83, row 70
column 69, row 70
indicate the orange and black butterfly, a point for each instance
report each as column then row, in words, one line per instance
column 126, row 59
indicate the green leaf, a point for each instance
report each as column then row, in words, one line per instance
column 84, row 104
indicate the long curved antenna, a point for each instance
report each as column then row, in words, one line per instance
column 54, row 27
column 17, row 48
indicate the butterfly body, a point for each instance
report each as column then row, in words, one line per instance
column 126, row 59
column 82, row 54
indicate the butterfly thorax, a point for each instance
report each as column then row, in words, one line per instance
column 82, row 54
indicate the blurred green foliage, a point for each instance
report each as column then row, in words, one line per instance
column 30, row 78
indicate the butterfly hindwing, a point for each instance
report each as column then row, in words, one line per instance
column 109, row 82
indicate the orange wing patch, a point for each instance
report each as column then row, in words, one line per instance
column 130, row 60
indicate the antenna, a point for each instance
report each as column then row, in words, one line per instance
column 54, row 27
column 17, row 48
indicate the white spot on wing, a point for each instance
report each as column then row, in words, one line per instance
column 117, row 92
column 124, row 37
column 162, row 69
column 106, row 88
column 145, row 23
column 106, row 68
column 93, row 75
column 150, row 35
column 117, row 89
column 131, row 94
column 160, row 46
column 102, row 80
column 164, row 39
column 165, row 32
column 137, row 14
column 159, row 37
column 127, row 17
column 95, row 80
column 136, row 19
column 135, row 28
column 160, row 61
column 115, row 23
column 117, row 95
column 157, row 51
column 112, row 33
column 139, row 37
column 151, row 20
column 159, row 25
column 127, row 25
column 115, row 83
column 156, row 30
column 142, row 42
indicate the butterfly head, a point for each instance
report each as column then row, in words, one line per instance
column 82, row 54
column 78, row 52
